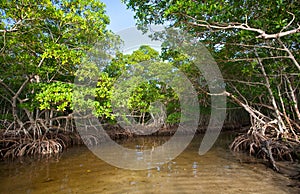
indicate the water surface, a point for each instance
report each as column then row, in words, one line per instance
column 77, row 170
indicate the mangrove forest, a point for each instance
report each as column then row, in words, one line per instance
column 48, row 46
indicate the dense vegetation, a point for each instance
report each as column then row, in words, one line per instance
column 44, row 46
column 256, row 45
column 44, row 43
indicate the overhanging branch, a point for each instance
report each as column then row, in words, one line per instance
column 241, row 26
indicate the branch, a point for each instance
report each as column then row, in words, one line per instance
column 290, row 23
column 293, row 96
column 291, row 56
column 272, row 108
column 5, row 98
column 281, row 124
column 254, row 113
column 254, row 46
column 4, row 43
column 10, row 30
column 262, row 33
column 245, row 82
column 22, row 87
column 14, row 28
column 255, row 59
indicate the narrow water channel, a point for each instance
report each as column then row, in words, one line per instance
column 77, row 170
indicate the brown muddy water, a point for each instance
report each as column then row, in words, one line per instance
column 77, row 170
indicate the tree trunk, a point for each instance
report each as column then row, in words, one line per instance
column 280, row 123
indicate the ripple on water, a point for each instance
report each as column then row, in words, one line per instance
column 79, row 171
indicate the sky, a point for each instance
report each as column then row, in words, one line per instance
column 121, row 23
column 120, row 17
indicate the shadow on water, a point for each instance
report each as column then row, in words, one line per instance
column 77, row 170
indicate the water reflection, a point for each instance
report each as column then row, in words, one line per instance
column 79, row 171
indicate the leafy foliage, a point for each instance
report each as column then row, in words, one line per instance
column 131, row 69
column 42, row 45
column 256, row 45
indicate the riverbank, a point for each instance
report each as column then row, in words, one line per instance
column 17, row 143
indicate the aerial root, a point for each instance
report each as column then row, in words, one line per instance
column 47, row 144
column 265, row 147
